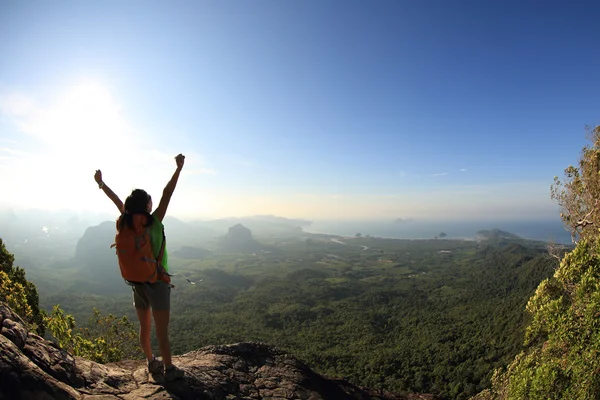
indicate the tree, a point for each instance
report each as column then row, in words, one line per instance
column 14, row 287
column 579, row 194
column 563, row 340
column 13, row 293
column 106, row 339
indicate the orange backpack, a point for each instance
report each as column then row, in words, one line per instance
column 135, row 254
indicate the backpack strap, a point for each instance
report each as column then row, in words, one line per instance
column 159, row 266
column 161, row 253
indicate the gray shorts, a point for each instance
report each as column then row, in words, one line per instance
column 156, row 295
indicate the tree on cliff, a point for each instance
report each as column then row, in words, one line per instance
column 105, row 339
column 562, row 355
column 579, row 194
column 20, row 294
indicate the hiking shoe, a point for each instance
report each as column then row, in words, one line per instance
column 155, row 366
column 172, row 373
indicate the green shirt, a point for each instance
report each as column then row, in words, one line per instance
column 156, row 236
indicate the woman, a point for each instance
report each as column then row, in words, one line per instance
column 151, row 300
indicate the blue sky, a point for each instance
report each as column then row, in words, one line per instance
column 315, row 109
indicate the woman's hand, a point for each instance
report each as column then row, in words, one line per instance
column 179, row 159
column 98, row 176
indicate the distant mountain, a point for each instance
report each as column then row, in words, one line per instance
column 36, row 231
column 261, row 225
column 239, row 240
column 180, row 234
column 495, row 234
column 403, row 220
column 96, row 240
column 98, row 269
column 279, row 220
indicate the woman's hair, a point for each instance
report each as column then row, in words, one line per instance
column 136, row 203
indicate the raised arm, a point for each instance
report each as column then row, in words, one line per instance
column 111, row 195
column 161, row 210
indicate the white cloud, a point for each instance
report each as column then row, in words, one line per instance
column 463, row 170
column 440, row 174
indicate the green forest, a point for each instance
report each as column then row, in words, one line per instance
column 437, row 320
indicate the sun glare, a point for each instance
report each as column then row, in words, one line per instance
column 87, row 114
column 82, row 130
column 87, row 104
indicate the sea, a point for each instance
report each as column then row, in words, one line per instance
column 544, row 230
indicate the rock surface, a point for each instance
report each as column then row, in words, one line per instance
column 34, row 368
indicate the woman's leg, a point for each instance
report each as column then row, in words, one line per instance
column 161, row 311
column 142, row 308
column 159, row 294
column 144, row 317
column 161, row 323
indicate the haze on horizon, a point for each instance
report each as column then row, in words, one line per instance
column 317, row 110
